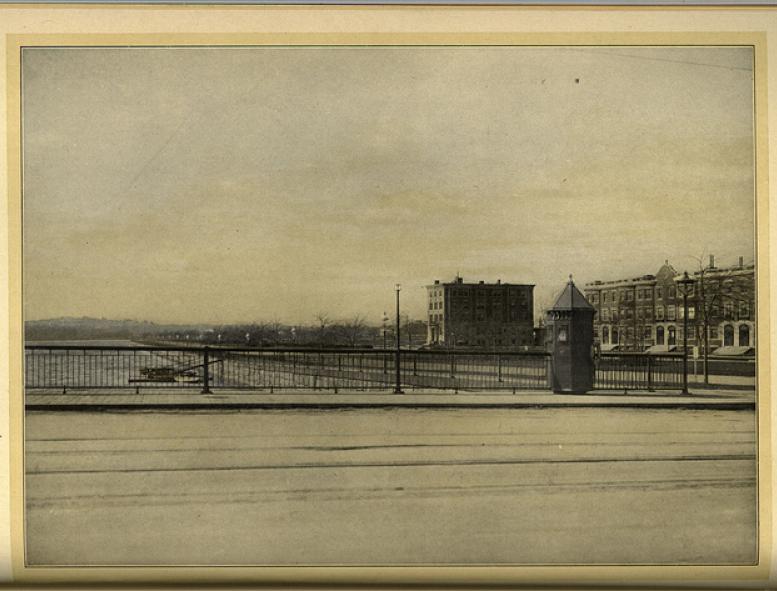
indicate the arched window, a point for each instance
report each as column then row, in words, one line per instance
column 744, row 335
column 672, row 336
column 605, row 335
column 614, row 336
column 728, row 335
column 659, row 335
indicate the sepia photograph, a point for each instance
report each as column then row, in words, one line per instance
column 389, row 304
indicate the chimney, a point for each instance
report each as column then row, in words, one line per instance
column 741, row 262
column 437, row 282
column 499, row 281
column 481, row 282
column 712, row 261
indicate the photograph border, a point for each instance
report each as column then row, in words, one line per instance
column 391, row 574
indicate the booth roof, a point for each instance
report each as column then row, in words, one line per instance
column 572, row 299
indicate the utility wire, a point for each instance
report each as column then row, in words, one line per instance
column 657, row 59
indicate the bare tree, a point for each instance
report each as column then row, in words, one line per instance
column 353, row 330
column 715, row 290
column 324, row 322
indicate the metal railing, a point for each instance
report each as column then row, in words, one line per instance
column 639, row 371
column 68, row 367
column 204, row 368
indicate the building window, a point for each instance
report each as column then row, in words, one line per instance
column 660, row 313
column 728, row 336
column 605, row 335
column 744, row 310
column 670, row 313
column 615, row 336
column 744, row 335
column 713, row 332
column 659, row 293
column 605, row 314
column 728, row 310
column 648, row 332
column 672, row 336
column 659, row 335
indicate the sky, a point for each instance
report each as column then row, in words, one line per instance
column 217, row 185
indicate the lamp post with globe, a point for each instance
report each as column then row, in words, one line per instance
column 685, row 286
column 398, row 384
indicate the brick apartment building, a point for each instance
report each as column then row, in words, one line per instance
column 480, row 315
column 647, row 311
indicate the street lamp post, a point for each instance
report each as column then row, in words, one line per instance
column 398, row 384
column 385, row 330
column 685, row 284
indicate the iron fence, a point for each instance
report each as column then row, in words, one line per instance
column 106, row 367
column 95, row 367
column 639, row 371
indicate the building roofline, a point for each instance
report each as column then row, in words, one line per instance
column 731, row 269
column 470, row 284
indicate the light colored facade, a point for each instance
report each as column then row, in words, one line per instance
column 636, row 314
column 481, row 315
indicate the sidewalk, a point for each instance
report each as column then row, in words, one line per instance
column 165, row 400
column 715, row 381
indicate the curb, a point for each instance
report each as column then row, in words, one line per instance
column 98, row 407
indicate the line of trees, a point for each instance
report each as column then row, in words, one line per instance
column 323, row 331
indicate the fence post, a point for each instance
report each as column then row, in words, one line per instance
column 499, row 366
column 649, row 373
column 205, row 371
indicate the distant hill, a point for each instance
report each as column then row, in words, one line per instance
column 66, row 329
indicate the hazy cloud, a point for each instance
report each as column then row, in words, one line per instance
column 226, row 184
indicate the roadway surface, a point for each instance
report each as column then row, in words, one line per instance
column 391, row 486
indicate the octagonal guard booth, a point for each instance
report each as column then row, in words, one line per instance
column 569, row 340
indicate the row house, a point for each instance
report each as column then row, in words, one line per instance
column 647, row 311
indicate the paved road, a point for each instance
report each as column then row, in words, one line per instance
column 388, row 486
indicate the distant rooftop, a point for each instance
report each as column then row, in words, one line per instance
column 460, row 281
column 741, row 266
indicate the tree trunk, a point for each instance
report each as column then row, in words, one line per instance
column 706, row 353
